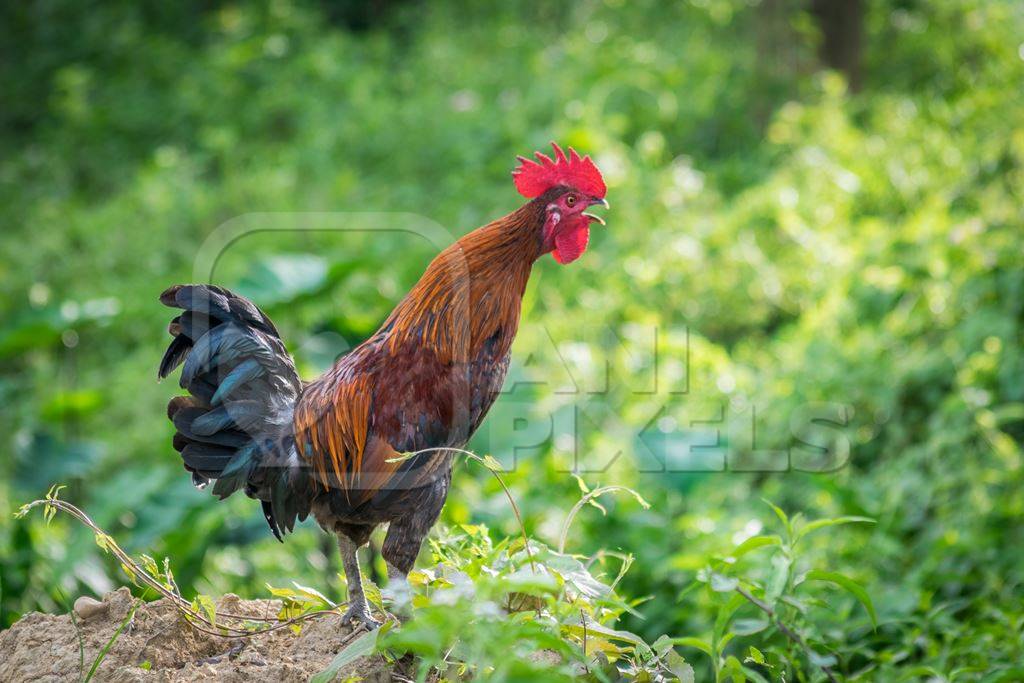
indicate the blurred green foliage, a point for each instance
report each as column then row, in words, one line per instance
column 794, row 243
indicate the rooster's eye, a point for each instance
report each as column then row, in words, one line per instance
column 570, row 200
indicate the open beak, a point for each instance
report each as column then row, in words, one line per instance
column 597, row 219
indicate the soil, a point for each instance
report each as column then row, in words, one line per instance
column 159, row 646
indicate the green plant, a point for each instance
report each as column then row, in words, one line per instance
column 110, row 643
column 781, row 602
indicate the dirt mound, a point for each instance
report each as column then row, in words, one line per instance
column 158, row 645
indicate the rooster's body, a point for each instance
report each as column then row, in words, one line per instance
column 338, row 447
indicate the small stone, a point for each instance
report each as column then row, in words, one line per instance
column 86, row 607
column 251, row 657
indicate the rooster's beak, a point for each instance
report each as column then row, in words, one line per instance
column 597, row 219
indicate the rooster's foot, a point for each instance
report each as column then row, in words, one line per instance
column 358, row 614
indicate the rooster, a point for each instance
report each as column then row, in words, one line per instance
column 368, row 442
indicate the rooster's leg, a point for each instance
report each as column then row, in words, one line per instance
column 401, row 545
column 358, row 609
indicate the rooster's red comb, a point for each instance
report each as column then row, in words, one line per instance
column 534, row 179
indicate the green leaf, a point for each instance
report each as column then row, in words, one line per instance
column 283, row 278
column 491, row 463
column 821, row 660
column 300, row 594
column 593, row 627
column 850, row 585
column 577, row 577
column 129, row 573
column 662, row 645
column 735, row 669
column 282, row 592
column 678, row 666
column 150, row 565
column 205, row 604
column 532, row 583
column 817, row 524
column 780, row 514
column 373, row 596
column 360, row 647
column 723, row 584
column 313, row 595
column 748, row 627
column 753, row 675
column 781, row 567
column 725, row 614
column 698, row 643
column 753, row 543
column 796, row 603
column 592, row 502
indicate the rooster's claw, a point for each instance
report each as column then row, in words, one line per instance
column 358, row 614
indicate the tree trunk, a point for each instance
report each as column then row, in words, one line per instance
column 842, row 36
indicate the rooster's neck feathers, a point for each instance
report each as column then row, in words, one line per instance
column 472, row 290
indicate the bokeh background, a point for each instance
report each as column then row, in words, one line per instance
column 815, row 201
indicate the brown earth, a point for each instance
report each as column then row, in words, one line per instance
column 159, row 646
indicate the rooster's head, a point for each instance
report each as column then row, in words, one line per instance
column 566, row 187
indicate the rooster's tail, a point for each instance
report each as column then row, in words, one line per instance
column 236, row 425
